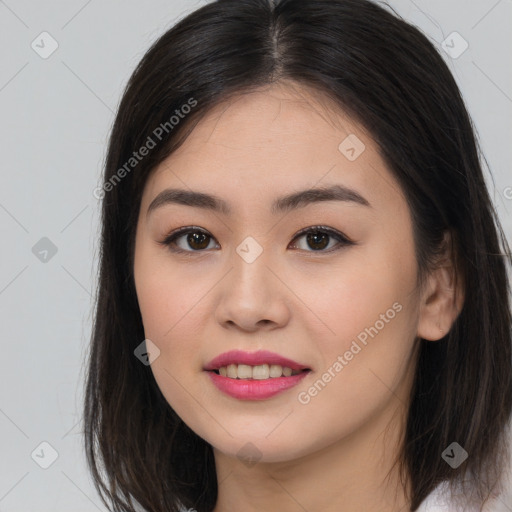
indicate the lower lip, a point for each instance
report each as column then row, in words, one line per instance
column 253, row 389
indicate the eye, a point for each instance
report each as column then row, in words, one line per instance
column 197, row 239
column 318, row 238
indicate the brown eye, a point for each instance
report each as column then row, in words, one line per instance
column 318, row 238
column 189, row 240
column 197, row 240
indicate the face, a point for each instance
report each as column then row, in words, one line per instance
column 329, row 284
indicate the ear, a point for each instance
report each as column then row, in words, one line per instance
column 442, row 298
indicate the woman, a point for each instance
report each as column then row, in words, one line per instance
column 303, row 297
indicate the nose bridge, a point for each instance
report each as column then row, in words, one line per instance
column 250, row 250
column 250, row 261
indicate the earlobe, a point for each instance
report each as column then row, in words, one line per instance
column 441, row 302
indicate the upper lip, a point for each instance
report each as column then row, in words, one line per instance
column 252, row 359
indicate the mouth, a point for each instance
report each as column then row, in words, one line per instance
column 259, row 372
column 253, row 388
column 254, row 375
column 260, row 365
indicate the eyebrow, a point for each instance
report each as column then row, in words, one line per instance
column 283, row 204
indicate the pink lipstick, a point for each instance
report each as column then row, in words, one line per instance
column 254, row 375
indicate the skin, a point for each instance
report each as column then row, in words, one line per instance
column 337, row 451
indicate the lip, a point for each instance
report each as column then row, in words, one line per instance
column 253, row 389
column 250, row 389
column 253, row 359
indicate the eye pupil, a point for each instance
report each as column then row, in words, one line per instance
column 312, row 238
column 193, row 237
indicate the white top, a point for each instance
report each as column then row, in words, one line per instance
column 440, row 500
column 437, row 501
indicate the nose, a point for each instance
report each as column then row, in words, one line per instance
column 252, row 296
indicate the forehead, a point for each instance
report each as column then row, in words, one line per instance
column 281, row 137
column 285, row 113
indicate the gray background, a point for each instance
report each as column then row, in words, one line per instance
column 56, row 114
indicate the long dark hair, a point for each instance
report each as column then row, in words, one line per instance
column 386, row 75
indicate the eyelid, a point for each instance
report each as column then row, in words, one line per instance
column 325, row 229
column 177, row 233
column 343, row 240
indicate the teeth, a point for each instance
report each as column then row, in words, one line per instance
column 276, row 370
column 232, row 371
column 259, row 372
column 287, row 371
column 244, row 371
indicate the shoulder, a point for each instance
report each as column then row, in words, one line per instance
column 442, row 500
column 437, row 501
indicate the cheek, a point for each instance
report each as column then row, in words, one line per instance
column 371, row 313
column 170, row 318
column 351, row 298
column 170, row 303
column 366, row 364
column 168, row 299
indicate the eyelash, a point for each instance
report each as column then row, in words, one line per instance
column 170, row 239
